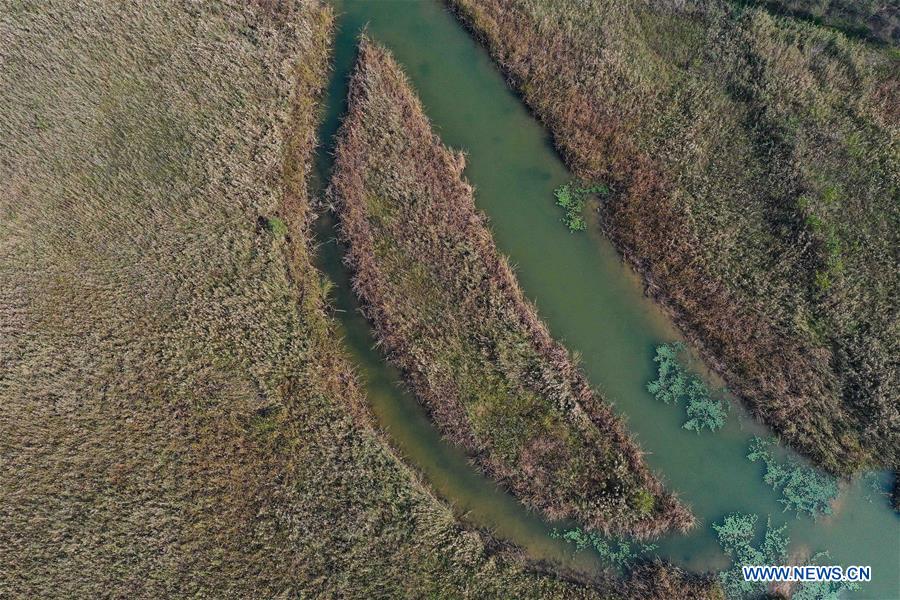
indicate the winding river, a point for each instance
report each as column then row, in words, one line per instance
column 590, row 301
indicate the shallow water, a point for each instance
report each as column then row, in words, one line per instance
column 590, row 301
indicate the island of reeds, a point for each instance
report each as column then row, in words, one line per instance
column 752, row 158
column 449, row 313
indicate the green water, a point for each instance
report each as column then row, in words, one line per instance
column 590, row 301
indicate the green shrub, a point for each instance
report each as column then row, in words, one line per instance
column 277, row 226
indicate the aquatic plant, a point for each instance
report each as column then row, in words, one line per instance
column 803, row 488
column 616, row 551
column 671, row 381
column 822, row 590
column 704, row 413
column 673, row 384
column 736, row 534
column 571, row 196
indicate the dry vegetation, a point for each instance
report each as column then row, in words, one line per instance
column 876, row 20
column 754, row 161
column 176, row 416
column 448, row 311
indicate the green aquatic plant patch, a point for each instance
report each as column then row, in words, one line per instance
column 737, row 534
column 617, row 552
column 803, row 489
column 571, row 197
column 674, row 384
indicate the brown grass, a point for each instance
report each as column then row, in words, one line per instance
column 177, row 418
column 448, row 311
column 752, row 162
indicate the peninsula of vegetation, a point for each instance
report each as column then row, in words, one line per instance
column 177, row 418
column 752, row 160
column 448, row 311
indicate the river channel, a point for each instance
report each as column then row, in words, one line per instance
column 591, row 302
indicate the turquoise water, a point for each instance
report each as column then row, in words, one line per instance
column 589, row 299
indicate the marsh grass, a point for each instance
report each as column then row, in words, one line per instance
column 177, row 418
column 448, row 311
column 754, row 159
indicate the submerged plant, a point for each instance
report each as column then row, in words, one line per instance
column 673, row 383
column 736, row 534
column 617, row 552
column 571, row 197
column 822, row 590
column 803, row 488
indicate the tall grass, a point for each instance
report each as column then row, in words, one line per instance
column 177, row 418
column 448, row 311
column 754, row 159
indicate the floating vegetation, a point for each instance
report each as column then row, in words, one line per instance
column 571, row 197
column 616, row 551
column 803, row 488
column 736, row 534
column 822, row 590
column 673, row 383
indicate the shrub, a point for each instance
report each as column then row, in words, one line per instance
column 277, row 226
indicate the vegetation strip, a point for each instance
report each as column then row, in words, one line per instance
column 753, row 160
column 449, row 313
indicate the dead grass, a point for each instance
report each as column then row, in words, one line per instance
column 448, row 311
column 176, row 416
column 754, row 163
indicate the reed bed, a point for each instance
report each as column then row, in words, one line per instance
column 447, row 310
column 177, row 416
column 753, row 160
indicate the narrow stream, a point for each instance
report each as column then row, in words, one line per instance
column 590, row 301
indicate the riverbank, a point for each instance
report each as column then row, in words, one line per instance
column 738, row 230
column 449, row 313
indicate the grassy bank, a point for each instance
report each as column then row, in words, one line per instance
column 753, row 163
column 448, row 311
column 874, row 20
column 176, row 415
